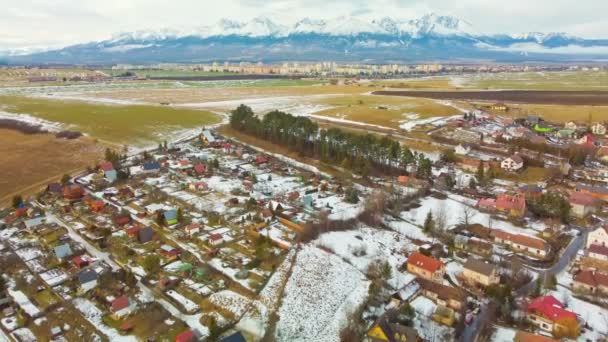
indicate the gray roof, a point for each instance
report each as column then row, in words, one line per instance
column 63, row 251
column 479, row 266
column 87, row 275
column 145, row 234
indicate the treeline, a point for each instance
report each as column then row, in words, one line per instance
column 361, row 153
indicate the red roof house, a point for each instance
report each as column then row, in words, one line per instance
column 549, row 314
column 186, row 336
column 200, row 168
column 513, row 205
column 80, row 261
column 425, row 267
column 106, row 166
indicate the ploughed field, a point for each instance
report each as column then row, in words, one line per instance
column 593, row 98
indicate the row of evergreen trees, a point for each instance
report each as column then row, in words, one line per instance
column 362, row 153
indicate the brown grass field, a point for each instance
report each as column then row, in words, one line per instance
column 31, row 161
column 212, row 94
column 383, row 111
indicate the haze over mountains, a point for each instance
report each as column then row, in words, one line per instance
column 430, row 37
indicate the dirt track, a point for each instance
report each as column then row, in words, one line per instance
column 591, row 98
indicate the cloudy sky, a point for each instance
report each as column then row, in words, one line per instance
column 54, row 23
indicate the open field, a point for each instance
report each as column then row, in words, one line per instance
column 232, row 91
column 562, row 80
column 558, row 113
column 383, row 110
column 132, row 124
column 31, row 161
column 439, row 82
column 593, row 98
column 567, row 80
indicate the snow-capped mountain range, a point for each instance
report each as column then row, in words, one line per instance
column 430, row 37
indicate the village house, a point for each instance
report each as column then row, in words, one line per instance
column 512, row 163
column 215, row 239
column 207, row 138
column 462, row 149
column 63, row 252
column 384, row 331
column 145, row 235
column 87, row 280
column 598, row 252
column 472, row 164
column 512, row 205
column 122, row 307
column 591, row 281
column 170, row 252
column 571, row 125
column 599, row 192
column 425, row 267
column 522, row 243
column 582, row 204
column 499, row 106
column 598, row 236
column 443, row 295
column 598, row 128
column 73, row 192
column 477, row 272
column 151, row 167
column 523, row 336
column 193, row 229
column 549, row 314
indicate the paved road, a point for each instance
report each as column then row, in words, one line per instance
column 470, row 332
column 564, row 260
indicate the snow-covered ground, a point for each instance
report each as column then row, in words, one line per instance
column 426, row 327
column 365, row 245
column 321, row 294
column 186, row 303
column 453, row 208
column 94, row 315
column 33, row 121
column 255, row 321
column 231, row 301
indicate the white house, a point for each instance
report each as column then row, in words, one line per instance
column 512, row 163
column 598, row 237
column 462, row 149
column 571, row 125
column 598, row 129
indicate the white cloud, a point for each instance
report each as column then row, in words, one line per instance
column 37, row 23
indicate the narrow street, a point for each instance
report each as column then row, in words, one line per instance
column 193, row 321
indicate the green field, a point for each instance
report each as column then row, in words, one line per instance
column 119, row 124
column 571, row 80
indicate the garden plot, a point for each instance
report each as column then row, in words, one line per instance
column 407, row 229
column 231, row 301
column 256, row 319
column 186, row 303
column 363, row 246
column 321, row 294
column 95, row 316
column 339, row 209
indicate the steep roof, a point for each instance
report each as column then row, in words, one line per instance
column 479, row 266
column 87, row 275
column 582, row 199
column 63, row 251
column 424, row 262
column 509, row 202
column 550, row 308
column 443, row 291
column 598, row 249
column 120, row 303
column 592, row 278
